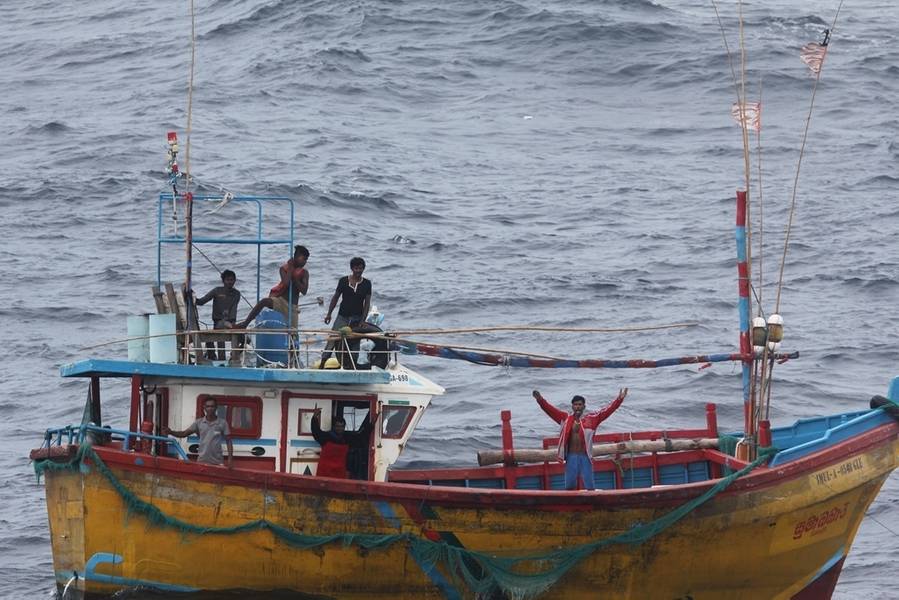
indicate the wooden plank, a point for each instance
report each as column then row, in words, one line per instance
column 529, row 455
column 182, row 310
column 160, row 300
column 173, row 304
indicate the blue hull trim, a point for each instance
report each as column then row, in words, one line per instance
column 123, row 368
column 828, row 433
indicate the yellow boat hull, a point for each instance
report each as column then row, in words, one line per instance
column 766, row 540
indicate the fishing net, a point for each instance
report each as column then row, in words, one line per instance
column 520, row 577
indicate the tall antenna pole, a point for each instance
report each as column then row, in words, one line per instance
column 744, row 283
column 746, row 261
column 188, row 196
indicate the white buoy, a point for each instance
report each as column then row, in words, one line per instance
column 759, row 334
column 775, row 332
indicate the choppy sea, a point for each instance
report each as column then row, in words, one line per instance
column 554, row 163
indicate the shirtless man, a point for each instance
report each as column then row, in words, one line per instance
column 285, row 296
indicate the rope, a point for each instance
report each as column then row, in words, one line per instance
column 330, row 332
column 483, row 572
column 808, row 120
column 215, row 266
column 549, row 329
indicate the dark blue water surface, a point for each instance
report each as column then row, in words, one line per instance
column 555, row 163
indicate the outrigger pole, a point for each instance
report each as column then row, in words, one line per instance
column 525, row 360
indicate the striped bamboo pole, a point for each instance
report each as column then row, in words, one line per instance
column 744, row 309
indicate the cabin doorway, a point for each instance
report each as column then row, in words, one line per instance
column 149, row 413
column 299, row 450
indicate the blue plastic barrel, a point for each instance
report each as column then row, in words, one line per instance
column 271, row 347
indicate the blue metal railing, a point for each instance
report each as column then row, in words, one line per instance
column 258, row 241
column 76, row 434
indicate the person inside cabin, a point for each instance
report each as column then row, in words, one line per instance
column 576, row 436
column 354, row 292
column 212, row 430
column 285, row 296
column 225, row 299
column 337, row 445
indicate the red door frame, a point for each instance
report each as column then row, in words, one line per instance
column 372, row 400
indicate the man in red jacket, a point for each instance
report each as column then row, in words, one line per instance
column 576, row 436
column 337, row 444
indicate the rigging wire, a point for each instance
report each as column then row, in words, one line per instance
column 549, row 329
column 808, row 119
column 789, row 227
column 392, row 334
column 758, row 163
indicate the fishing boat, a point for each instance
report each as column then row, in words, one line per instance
column 766, row 512
column 676, row 513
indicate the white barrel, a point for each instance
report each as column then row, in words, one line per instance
column 139, row 348
column 163, row 348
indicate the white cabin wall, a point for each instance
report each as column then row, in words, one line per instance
column 302, row 451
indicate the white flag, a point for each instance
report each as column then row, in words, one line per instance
column 813, row 54
column 752, row 112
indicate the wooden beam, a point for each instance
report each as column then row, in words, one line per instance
column 534, row 455
column 159, row 299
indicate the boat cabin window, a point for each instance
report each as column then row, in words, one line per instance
column 353, row 415
column 243, row 413
column 304, row 421
column 396, row 420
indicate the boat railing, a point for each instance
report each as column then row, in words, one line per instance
column 130, row 440
column 272, row 348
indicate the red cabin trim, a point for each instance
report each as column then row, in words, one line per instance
column 136, row 383
column 254, row 403
column 285, row 403
column 386, row 421
column 668, row 496
column 371, row 399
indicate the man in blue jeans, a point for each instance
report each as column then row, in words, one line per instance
column 576, row 436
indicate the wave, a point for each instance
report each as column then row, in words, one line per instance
column 51, row 127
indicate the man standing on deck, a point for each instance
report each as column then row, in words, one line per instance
column 225, row 299
column 285, row 296
column 354, row 292
column 576, row 436
column 212, row 430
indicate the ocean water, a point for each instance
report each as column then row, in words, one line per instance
column 561, row 164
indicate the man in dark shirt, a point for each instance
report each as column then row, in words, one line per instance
column 355, row 294
column 337, row 445
column 225, row 299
